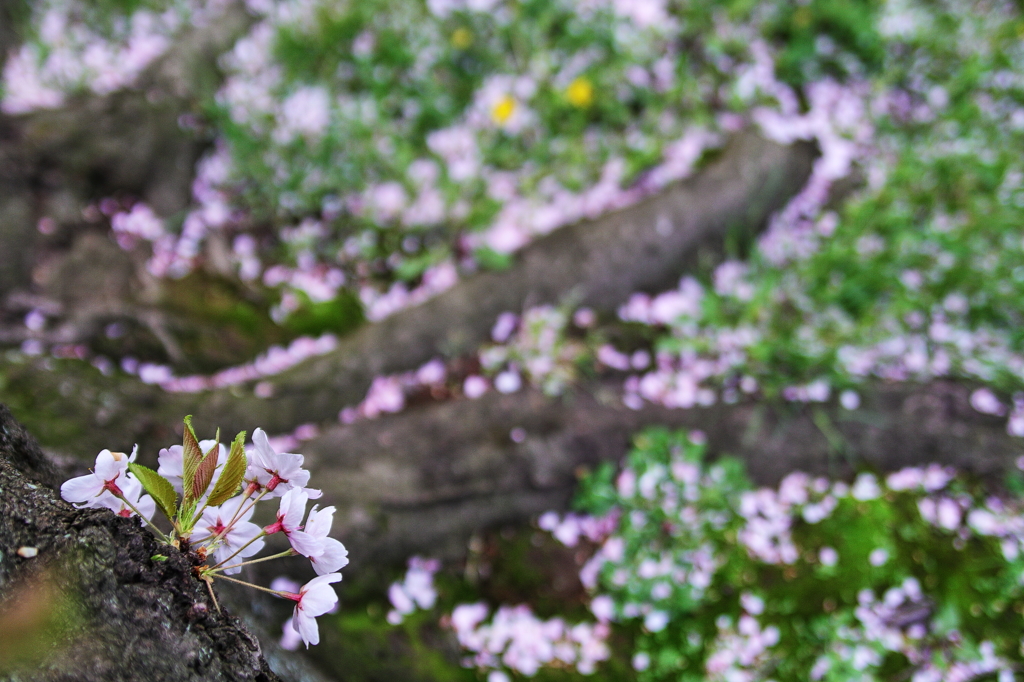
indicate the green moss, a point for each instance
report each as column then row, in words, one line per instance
column 222, row 322
column 40, row 402
column 338, row 316
column 68, row 406
column 520, row 565
column 514, row 565
column 361, row 646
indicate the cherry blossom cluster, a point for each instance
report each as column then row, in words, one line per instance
column 863, row 126
column 926, row 325
column 78, row 57
column 258, row 98
column 388, row 394
column 416, row 590
column 706, row 362
column 536, row 346
column 529, row 349
column 571, row 528
column 291, row 638
column 897, row 622
column 440, row 184
column 275, row 360
column 208, row 493
column 512, row 639
column 714, row 364
column 743, row 647
column 872, row 557
column 515, row 639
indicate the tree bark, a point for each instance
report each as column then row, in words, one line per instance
column 84, row 594
column 598, row 262
column 425, row 480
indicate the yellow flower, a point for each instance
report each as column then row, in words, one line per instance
column 580, row 93
column 503, row 110
column 462, row 38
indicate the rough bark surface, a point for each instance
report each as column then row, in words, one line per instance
column 425, row 480
column 125, row 615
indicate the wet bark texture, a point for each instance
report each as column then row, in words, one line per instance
column 82, row 597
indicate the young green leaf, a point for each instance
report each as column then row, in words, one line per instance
column 158, row 487
column 204, row 472
column 232, row 475
column 186, row 520
column 191, row 458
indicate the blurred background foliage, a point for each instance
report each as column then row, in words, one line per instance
column 359, row 157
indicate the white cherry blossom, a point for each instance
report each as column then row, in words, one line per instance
column 101, row 487
column 224, row 535
column 289, row 522
column 275, row 472
column 334, row 555
column 316, row 598
column 132, row 491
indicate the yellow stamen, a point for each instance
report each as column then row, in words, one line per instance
column 580, row 93
column 462, row 38
column 503, row 110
